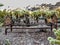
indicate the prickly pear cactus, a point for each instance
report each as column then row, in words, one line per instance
column 57, row 40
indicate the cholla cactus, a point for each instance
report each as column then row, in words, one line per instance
column 7, row 42
column 57, row 40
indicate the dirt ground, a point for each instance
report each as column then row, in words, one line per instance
column 16, row 37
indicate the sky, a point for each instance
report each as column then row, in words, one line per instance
column 23, row 3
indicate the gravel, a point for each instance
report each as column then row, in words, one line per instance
column 24, row 38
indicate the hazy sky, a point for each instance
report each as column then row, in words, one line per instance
column 24, row 3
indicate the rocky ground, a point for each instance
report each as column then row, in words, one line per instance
column 16, row 37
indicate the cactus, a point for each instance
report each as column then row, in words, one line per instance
column 7, row 42
column 57, row 40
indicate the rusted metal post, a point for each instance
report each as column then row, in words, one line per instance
column 6, row 31
column 51, row 27
column 11, row 27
